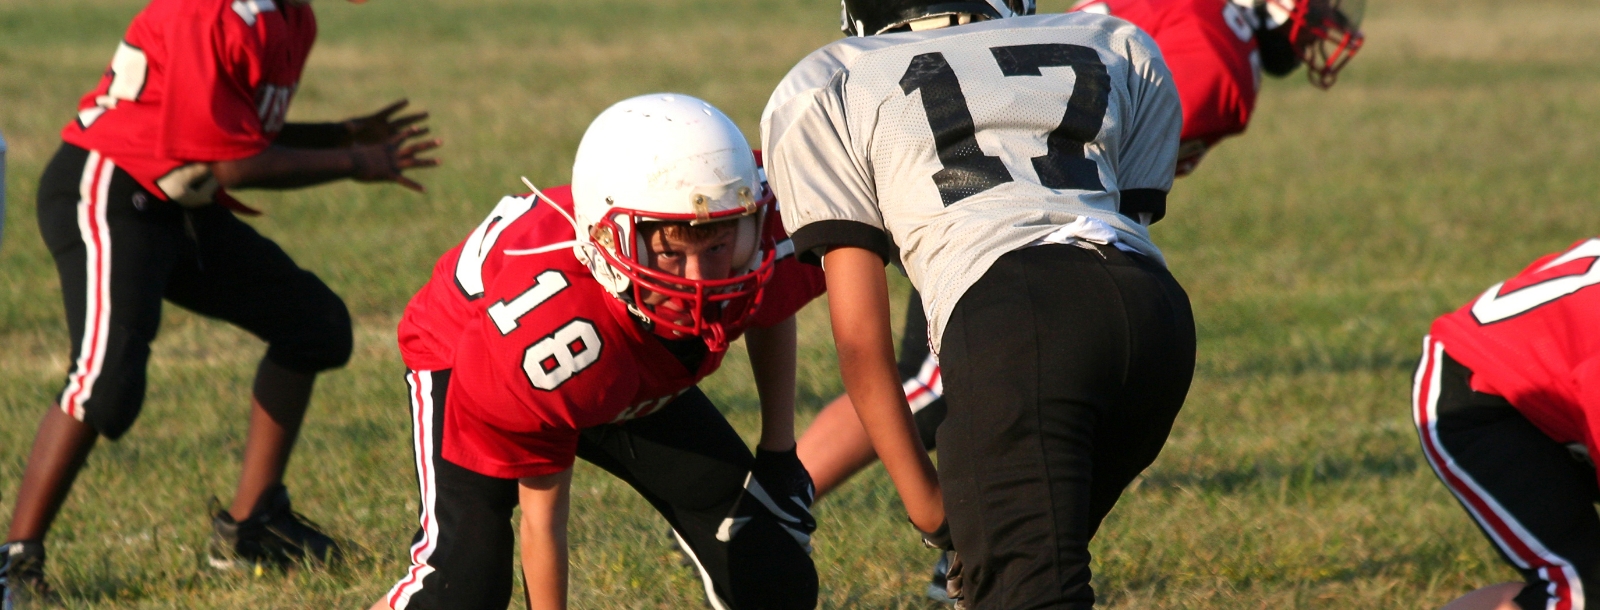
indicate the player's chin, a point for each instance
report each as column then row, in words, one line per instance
column 674, row 315
column 672, row 335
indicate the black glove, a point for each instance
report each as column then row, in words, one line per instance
column 779, row 483
column 938, row 539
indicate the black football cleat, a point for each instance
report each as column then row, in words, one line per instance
column 22, row 583
column 273, row 536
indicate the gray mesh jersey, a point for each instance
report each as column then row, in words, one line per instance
column 957, row 145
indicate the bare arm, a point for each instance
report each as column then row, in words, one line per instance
column 372, row 148
column 858, row 301
column 544, row 502
column 772, row 361
column 280, row 167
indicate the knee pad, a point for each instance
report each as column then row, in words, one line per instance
column 323, row 338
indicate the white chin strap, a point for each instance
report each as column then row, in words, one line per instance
column 611, row 279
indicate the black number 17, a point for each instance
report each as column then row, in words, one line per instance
column 967, row 171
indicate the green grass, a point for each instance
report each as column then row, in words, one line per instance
column 1316, row 249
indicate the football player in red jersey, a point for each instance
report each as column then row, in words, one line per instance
column 1218, row 48
column 575, row 323
column 135, row 209
column 1507, row 405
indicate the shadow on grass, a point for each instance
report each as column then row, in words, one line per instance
column 1279, row 476
column 106, row 585
column 1329, row 360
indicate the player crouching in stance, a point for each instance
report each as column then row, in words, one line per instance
column 1011, row 162
column 552, row 334
column 135, row 210
column 1217, row 50
column 1507, row 406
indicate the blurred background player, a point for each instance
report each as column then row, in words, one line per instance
column 1068, row 346
column 135, row 209
column 1216, row 50
column 1507, row 406
column 576, row 323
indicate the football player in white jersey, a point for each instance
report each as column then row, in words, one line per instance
column 1011, row 163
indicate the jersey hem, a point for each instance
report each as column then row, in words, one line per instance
column 502, row 470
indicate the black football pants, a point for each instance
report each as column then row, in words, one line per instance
column 685, row 459
column 1528, row 494
column 121, row 250
column 1064, row 369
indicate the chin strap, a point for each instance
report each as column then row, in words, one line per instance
column 583, row 249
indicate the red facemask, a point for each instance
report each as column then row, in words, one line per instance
column 1326, row 34
column 714, row 310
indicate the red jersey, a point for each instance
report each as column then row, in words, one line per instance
column 1210, row 46
column 1535, row 340
column 195, row 81
column 540, row 350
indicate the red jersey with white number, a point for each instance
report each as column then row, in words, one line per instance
column 540, row 350
column 1535, row 340
column 1210, row 46
column 195, row 81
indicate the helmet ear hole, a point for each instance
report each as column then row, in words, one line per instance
column 746, row 241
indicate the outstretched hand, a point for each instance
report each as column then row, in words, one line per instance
column 378, row 127
column 385, row 161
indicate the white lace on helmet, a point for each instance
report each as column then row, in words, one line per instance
column 673, row 158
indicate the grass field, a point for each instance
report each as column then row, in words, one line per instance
column 1459, row 146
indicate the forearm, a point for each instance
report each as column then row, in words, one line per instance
column 315, row 135
column 280, row 167
column 544, row 502
column 858, row 301
column 772, row 362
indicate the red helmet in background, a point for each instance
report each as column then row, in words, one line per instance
column 1324, row 33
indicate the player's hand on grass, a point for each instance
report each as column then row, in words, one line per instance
column 385, row 162
column 788, row 489
column 378, row 127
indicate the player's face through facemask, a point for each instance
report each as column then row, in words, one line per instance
column 703, row 252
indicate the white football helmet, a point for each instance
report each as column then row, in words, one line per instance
column 675, row 158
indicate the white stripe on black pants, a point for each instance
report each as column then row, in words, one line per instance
column 685, row 459
column 1064, row 368
column 120, row 251
column 1527, row 492
column 461, row 554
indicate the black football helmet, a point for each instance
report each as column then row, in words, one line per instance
column 868, row 17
